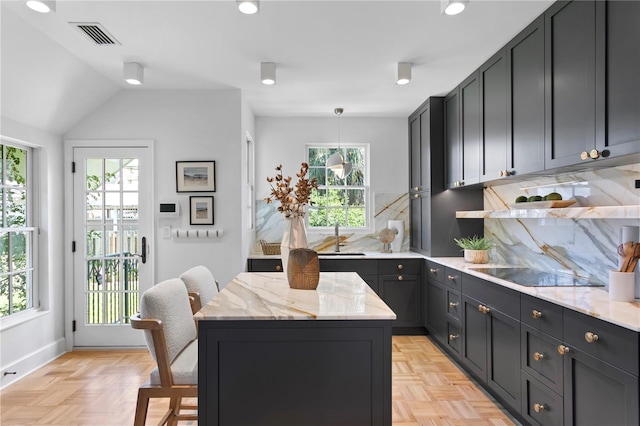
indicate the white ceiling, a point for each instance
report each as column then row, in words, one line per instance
column 328, row 53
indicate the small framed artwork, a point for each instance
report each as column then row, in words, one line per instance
column 201, row 210
column 195, row 176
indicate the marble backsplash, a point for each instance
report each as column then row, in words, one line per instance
column 270, row 226
column 585, row 246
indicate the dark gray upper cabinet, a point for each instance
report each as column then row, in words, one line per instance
column 470, row 129
column 572, row 110
column 493, row 124
column 622, row 134
column 415, row 154
column 452, row 142
column 525, row 106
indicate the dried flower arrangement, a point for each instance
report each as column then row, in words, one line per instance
column 292, row 199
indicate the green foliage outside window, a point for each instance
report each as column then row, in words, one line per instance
column 341, row 200
column 15, row 245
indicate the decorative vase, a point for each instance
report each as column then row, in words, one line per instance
column 303, row 269
column 476, row 256
column 295, row 236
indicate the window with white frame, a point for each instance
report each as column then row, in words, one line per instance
column 343, row 200
column 17, row 234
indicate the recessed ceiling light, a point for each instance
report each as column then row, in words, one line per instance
column 42, row 6
column 248, row 7
column 452, row 7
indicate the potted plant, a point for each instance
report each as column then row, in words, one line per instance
column 476, row 249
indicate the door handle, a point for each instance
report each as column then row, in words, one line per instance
column 143, row 250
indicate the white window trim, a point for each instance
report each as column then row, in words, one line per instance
column 33, row 220
column 369, row 196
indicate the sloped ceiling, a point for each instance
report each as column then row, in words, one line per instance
column 328, row 53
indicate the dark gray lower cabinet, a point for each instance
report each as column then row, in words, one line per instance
column 596, row 393
column 474, row 342
column 402, row 294
column 435, row 315
column 503, row 375
column 540, row 405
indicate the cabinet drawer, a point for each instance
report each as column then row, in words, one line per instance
column 540, row 358
column 610, row 343
column 361, row 266
column 541, row 315
column 453, row 305
column 452, row 278
column 399, row 266
column 454, row 340
column 492, row 295
column 540, row 405
column 435, row 271
column 265, row 265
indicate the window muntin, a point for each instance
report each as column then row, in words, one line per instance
column 16, row 231
column 343, row 200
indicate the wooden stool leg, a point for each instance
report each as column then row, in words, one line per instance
column 174, row 406
column 141, row 408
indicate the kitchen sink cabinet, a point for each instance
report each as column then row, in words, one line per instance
column 525, row 100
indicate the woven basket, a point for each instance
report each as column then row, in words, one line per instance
column 270, row 248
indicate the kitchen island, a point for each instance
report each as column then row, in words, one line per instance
column 272, row 355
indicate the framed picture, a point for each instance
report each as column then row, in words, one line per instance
column 201, row 210
column 195, row 176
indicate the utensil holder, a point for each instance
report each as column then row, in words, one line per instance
column 622, row 286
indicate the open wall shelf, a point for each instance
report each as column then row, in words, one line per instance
column 598, row 212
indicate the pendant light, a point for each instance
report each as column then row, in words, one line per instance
column 336, row 162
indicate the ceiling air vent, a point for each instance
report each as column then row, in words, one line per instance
column 96, row 33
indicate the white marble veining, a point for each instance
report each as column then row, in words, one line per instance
column 267, row 296
column 593, row 212
column 353, row 255
column 592, row 301
column 580, row 238
column 270, row 226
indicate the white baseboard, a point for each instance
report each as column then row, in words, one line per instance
column 31, row 362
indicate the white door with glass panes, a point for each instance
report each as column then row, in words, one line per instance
column 112, row 229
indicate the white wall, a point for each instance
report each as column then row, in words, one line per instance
column 282, row 141
column 185, row 125
column 39, row 338
column 248, row 131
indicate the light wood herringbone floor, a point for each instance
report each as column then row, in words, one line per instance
column 99, row 388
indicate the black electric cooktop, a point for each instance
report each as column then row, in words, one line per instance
column 535, row 278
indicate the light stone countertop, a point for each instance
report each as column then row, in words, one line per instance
column 593, row 301
column 347, row 255
column 267, row 296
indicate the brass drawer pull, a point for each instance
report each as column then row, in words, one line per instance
column 433, row 271
column 400, row 278
column 590, row 337
column 278, row 268
column 538, row 407
column 562, row 349
column 536, row 314
column 453, row 337
column 416, row 195
column 453, row 304
column 538, row 356
column 451, row 277
column 484, row 309
column 400, row 266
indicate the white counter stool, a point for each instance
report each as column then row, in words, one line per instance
column 166, row 318
column 201, row 285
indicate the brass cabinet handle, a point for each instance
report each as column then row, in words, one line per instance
column 416, row 195
column 433, row 271
column 538, row 407
column 590, row 337
column 451, row 277
column 504, row 173
column 594, row 153
column 453, row 304
column 458, row 183
column 538, row 356
column 400, row 278
column 584, row 155
column 400, row 266
column 278, row 268
column 536, row 314
column 453, row 337
column 484, row 309
column 417, row 188
column 562, row 349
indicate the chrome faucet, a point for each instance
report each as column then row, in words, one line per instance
column 337, row 237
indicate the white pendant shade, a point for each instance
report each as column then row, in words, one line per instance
column 343, row 171
column 335, row 161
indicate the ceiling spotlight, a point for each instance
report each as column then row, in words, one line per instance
column 42, row 6
column 404, row 73
column 268, row 73
column 248, row 7
column 133, row 73
column 452, row 7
